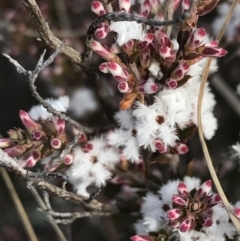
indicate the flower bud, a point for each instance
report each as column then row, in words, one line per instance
column 167, row 54
column 88, row 147
column 102, row 31
column 187, row 224
column 171, row 83
column 205, row 221
column 30, row 162
column 237, row 212
column 174, row 213
column 98, row 8
column 182, row 189
column 141, row 238
column 68, row 159
column 213, row 199
column 181, row 148
column 180, row 71
column 148, row 88
column 104, row 68
column 124, row 5
column 117, row 71
column 82, row 138
column 36, row 135
column 204, row 189
column 180, row 200
column 185, row 5
column 196, row 38
column 212, row 51
column 123, row 87
column 5, row 142
column 103, row 51
column 56, row 143
column 27, row 121
column 160, row 146
column 145, row 9
column 59, row 125
column 163, row 39
column 145, row 58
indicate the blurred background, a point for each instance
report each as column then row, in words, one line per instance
column 69, row 21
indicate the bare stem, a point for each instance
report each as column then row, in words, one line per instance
column 32, row 76
column 46, row 34
column 22, row 214
column 41, row 204
column 11, row 165
column 200, row 128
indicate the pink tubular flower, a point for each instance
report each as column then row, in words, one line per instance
column 167, row 54
column 185, row 5
column 98, row 8
column 192, row 207
column 145, row 58
column 30, row 162
column 187, row 224
column 174, row 213
column 36, row 135
column 68, row 159
column 145, row 8
column 171, row 83
column 59, row 126
column 88, row 147
column 180, row 71
column 148, row 38
column 28, row 122
column 212, row 52
column 181, row 148
column 196, row 38
column 123, row 87
column 117, row 71
column 237, row 212
column 124, row 5
column 102, row 31
column 5, row 142
column 141, row 238
column 104, row 67
column 160, row 146
column 147, row 87
column 56, row 143
column 103, row 51
column 163, row 39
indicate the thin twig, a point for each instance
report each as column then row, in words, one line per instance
column 22, row 214
column 32, row 76
column 168, row 9
column 46, row 34
column 41, row 204
column 11, row 165
column 200, row 128
column 67, row 218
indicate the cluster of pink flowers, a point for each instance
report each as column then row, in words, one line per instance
column 185, row 210
column 168, row 71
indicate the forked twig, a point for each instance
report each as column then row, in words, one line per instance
column 41, row 204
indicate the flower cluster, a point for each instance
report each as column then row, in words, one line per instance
column 43, row 137
column 186, row 210
column 164, row 77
